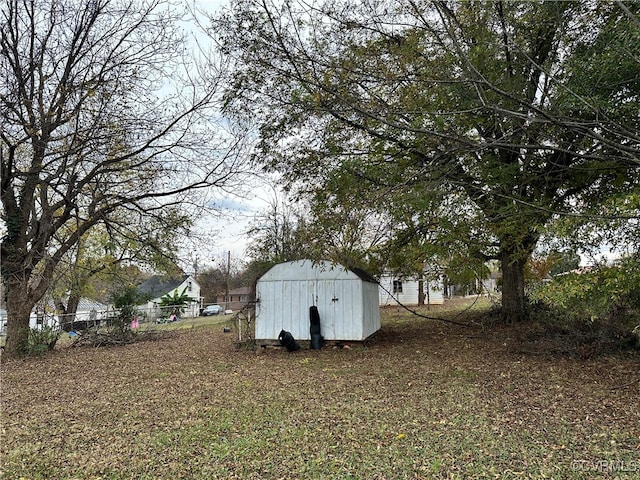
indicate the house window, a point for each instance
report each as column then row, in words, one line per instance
column 397, row 286
column 189, row 285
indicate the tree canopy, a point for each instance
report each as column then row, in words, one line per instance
column 475, row 125
column 106, row 121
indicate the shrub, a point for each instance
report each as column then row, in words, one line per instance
column 601, row 303
column 40, row 340
column 125, row 301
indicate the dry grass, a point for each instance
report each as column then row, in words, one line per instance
column 419, row 400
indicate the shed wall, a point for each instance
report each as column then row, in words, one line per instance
column 347, row 305
column 371, row 309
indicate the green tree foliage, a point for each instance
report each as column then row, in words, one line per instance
column 563, row 261
column 339, row 229
column 286, row 231
column 254, row 270
column 542, row 266
column 103, row 260
column 125, row 300
column 596, row 297
column 212, row 281
column 40, row 340
column 474, row 125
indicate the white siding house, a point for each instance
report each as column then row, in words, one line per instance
column 158, row 286
column 45, row 315
column 405, row 290
column 347, row 301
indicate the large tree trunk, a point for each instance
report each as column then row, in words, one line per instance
column 72, row 308
column 514, row 301
column 18, row 314
column 67, row 313
column 21, row 294
column 421, row 295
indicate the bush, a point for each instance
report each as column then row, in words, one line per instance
column 125, row 301
column 594, row 294
column 40, row 340
column 600, row 305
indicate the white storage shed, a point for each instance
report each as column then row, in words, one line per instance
column 347, row 301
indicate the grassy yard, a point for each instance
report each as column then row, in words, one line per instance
column 421, row 399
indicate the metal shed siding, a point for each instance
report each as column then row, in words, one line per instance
column 347, row 305
column 371, row 309
column 284, row 304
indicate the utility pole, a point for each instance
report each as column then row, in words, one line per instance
column 228, row 272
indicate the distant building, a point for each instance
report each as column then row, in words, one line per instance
column 238, row 297
column 89, row 312
column 160, row 285
column 406, row 290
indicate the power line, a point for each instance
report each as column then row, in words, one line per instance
column 428, row 317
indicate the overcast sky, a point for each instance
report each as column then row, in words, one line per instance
column 226, row 232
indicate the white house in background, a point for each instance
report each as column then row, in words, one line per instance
column 89, row 313
column 37, row 320
column 46, row 316
column 158, row 286
column 405, row 290
column 347, row 301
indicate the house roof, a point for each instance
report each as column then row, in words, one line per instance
column 235, row 291
column 89, row 304
column 159, row 285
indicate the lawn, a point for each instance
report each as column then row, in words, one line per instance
column 421, row 399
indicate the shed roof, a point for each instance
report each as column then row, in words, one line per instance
column 363, row 275
column 84, row 305
column 310, row 270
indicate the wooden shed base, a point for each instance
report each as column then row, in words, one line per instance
column 306, row 344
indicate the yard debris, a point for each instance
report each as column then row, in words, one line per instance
column 93, row 338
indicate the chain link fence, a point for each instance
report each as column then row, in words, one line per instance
column 83, row 320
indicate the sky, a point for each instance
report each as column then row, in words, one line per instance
column 225, row 232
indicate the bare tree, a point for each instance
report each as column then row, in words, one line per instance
column 276, row 233
column 105, row 121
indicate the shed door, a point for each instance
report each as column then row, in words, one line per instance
column 327, row 309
